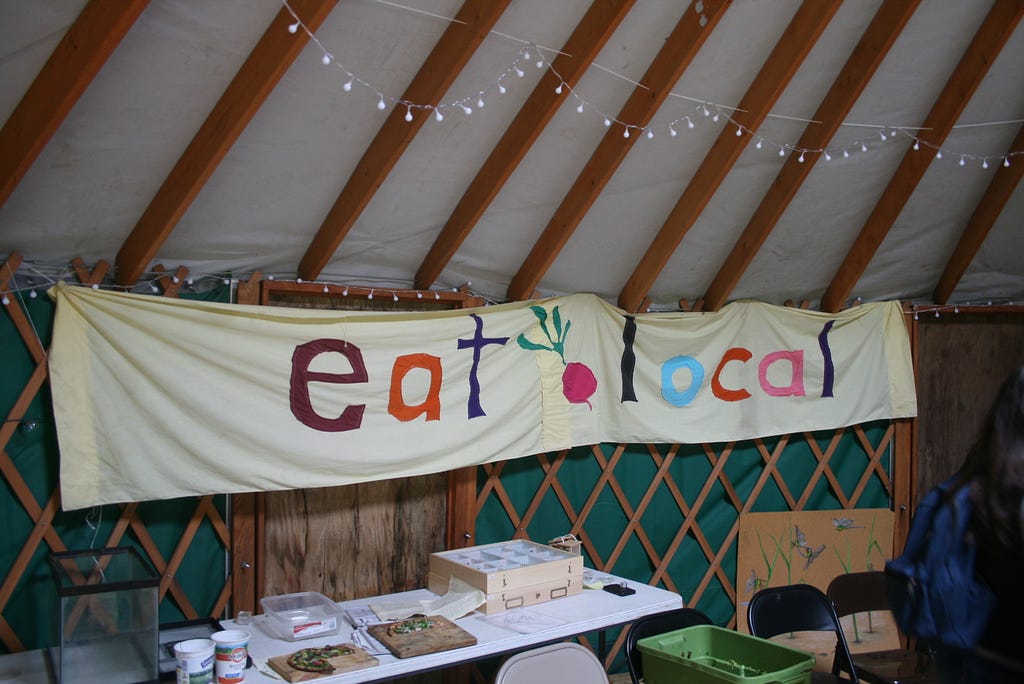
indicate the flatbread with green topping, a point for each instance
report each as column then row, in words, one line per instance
column 317, row 658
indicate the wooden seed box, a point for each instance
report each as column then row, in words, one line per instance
column 511, row 574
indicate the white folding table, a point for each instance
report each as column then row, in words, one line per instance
column 557, row 620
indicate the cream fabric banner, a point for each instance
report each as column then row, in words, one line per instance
column 158, row 398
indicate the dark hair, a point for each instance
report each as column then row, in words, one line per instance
column 994, row 466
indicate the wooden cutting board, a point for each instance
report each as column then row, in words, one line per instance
column 358, row 659
column 441, row 635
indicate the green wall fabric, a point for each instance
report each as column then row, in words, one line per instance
column 33, row 450
column 663, row 517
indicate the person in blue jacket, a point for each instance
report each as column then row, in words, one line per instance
column 994, row 470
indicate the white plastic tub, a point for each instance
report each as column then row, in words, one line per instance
column 301, row 616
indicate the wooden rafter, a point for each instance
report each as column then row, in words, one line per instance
column 878, row 38
column 451, row 53
column 79, row 56
column 663, row 73
column 1003, row 183
column 995, row 30
column 251, row 86
column 579, row 51
column 797, row 40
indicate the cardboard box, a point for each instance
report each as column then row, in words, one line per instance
column 511, row 574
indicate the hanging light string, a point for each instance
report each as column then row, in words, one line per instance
column 702, row 109
column 32, row 278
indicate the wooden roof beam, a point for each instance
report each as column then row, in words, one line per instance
column 79, row 56
column 451, row 53
column 1004, row 182
column 995, row 30
column 789, row 52
column 664, row 72
column 878, row 38
column 246, row 93
column 582, row 47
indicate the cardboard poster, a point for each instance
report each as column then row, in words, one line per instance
column 812, row 547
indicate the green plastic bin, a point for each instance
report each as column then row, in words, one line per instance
column 707, row 654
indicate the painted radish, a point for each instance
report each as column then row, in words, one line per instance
column 578, row 381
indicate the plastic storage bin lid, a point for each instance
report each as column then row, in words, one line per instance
column 708, row 654
column 301, row 616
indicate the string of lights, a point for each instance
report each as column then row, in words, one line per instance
column 33, row 278
column 688, row 120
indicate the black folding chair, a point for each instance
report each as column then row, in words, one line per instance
column 658, row 623
column 801, row 608
column 860, row 594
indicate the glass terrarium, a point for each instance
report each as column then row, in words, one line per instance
column 108, row 624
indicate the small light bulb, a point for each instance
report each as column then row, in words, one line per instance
column 689, row 122
column 715, row 117
column 480, row 103
column 501, row 89
column 6, row 300
column 1006, row 161
column 326, row 59
column 370, row 296
column 579, row 108
column 526, row 54
column 438, row 115
column 348, row 85
column 467, row 110
column 540, row 63
column 607, row 121
column 419, row 295
column 293, row 28
column 558, row 89
column 782, row 151
column 672, row 132
column 519, row 72
column 863, row 147
column 801, row 158
column 380, row 104
column 759, row 144
column 625, row 132
column 846, row 153
column 326, row 289
column 394, row 296
column 739, row 131
column 95, row 286
column 650, row 134
column 917, row 145
column 984, row 163
column 190, row 282
column 828, row 157
column 175, row 279
column 32, row 294
column 344, row 292
column 408, row 113
column 962, row 160
column 298, row 280
column 705, row 110
column 881, row 135
column 938, row 155
column 437, row 296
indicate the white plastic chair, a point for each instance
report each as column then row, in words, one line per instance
column 564, row 663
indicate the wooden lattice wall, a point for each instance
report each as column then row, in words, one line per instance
column 676, row 507
column 184, row 540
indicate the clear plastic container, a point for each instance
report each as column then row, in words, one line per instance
column 301, row 616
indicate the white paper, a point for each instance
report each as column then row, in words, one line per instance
column 523, row 620
column 461, row 599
